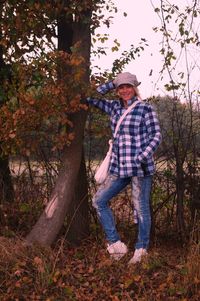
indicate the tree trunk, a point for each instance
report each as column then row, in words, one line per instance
column 50, row 222
column 6, row 187
column 180, row 186
column 77, row 215
column 70, row 192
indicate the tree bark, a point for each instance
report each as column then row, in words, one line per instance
column 77, row 215
column 70, row 192
column 180, row 187
column 47, row 228
column 6, row 186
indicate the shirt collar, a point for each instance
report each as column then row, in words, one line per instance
column 130, row 101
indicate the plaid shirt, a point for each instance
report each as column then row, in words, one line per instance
column 137, row 138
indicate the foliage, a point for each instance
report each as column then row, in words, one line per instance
column 180, row 44
column 128, row 56
column 40, row 103
column 178, row 155
column 44, row 85
column 29, row 27
column 180, row 126
column 87, row 273
column 178, row 159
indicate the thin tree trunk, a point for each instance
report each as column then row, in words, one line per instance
column 180, row 196
column 6, row 186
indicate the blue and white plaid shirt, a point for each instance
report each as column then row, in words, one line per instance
column 137, row 138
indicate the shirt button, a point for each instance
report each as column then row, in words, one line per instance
column 123, row 163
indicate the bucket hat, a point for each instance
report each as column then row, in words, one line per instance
column 126, row 78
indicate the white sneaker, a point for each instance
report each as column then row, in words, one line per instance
column 117, row 250
column 138, row 255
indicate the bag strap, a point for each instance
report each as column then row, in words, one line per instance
column 124, row 114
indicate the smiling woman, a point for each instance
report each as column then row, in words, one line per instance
column 133, row 145
column 126, row 86
column 126, row 92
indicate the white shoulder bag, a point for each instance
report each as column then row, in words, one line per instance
column 102, row 171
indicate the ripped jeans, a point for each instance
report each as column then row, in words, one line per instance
column 141, row 189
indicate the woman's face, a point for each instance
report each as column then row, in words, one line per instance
column 125, row 92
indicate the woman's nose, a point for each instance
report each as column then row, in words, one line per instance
column 124, row 88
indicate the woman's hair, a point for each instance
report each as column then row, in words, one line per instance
column 137, row 92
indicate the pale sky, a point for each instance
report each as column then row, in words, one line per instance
column 129, row 30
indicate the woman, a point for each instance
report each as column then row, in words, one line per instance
column 131, row 161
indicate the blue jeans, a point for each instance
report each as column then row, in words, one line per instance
column 141, row 189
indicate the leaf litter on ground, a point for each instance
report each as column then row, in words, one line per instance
column 88, row 273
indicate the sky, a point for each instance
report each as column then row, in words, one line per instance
column 138, row 24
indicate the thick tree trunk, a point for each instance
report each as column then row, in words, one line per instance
column 70, row 192
column 50, row 222
column 77, row 215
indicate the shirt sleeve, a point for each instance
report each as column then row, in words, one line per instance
column 154, row 134
column 102, row 104
column 106, row 87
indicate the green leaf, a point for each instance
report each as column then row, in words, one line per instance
column 24, row 207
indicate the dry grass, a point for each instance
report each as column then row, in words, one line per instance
column 87, row 273
column 192, row 277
